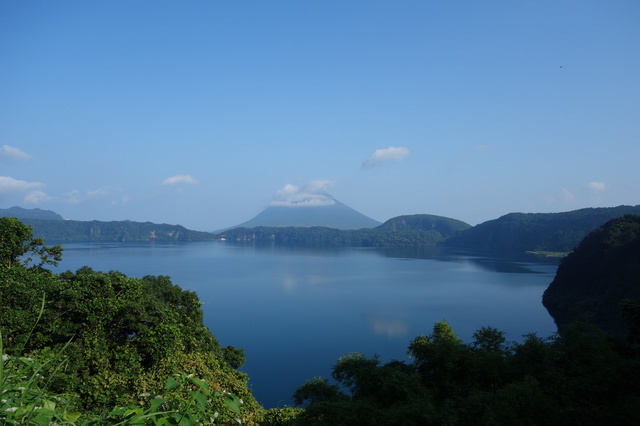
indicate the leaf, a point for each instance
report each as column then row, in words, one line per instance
column 200, row 399
column 233, row 404
column 155, row 403
column 172, row 384
column 49, row 405
column 201, row 384
column 72, row 416
column 41, row 420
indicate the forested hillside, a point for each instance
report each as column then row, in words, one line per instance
column 23, row 214
column 519, row 232
column 403, row 231
column 50, row 226
column 601, row 272
column 75, row 230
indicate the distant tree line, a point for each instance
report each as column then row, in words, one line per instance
column 402, row 231
column 75, row 230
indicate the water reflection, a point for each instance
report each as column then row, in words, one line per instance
column 513, row 263
column 387, row 326
column 506, row 262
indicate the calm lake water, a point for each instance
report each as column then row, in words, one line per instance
column 295, row 311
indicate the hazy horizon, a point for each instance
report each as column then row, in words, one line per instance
column 205, row 113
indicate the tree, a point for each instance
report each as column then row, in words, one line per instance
column 16, row 240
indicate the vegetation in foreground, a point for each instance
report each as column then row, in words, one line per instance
column 90, row 343
column 578, row 377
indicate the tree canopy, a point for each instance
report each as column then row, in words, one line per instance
column 122, row 336
column 16, row 241
column 577, row 377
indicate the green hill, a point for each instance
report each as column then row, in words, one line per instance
column 601, row 271
column 518, row 232
column 50, row 226
column 75, row 230
column 425, row 222
column 21, row 213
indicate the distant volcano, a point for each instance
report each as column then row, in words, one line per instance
column 321, row 210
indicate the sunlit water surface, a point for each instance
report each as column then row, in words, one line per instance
column 296, row 311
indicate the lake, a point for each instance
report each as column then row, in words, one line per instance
column 295, row 311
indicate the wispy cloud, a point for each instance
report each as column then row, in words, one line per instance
column 75, row 196
column 181, row 180
column 482, row 148
column 311, row 195
column 36, row 197
column 596, row 186
column 567, row 196
column 386, row 155
column 12, row 153
column 9, row 184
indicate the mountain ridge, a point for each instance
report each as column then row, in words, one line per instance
column 558, row 232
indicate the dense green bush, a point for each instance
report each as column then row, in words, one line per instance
column 578, row 377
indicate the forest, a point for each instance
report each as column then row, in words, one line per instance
column 89, row 347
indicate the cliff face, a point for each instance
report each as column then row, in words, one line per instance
column 601, row 271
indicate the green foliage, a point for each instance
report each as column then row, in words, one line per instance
column 74, row 230
column 201, row 406
column 122, row 336
column 286, row 416
column 318, row 236
column 186, row 400
column 16, row 240
column 543, row 232
column 593, row 279
column 579, row 377
column 316, row 390
column 24, row 397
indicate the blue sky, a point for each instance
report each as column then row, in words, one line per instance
column 202, row 113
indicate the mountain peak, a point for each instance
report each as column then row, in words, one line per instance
column 307, row 210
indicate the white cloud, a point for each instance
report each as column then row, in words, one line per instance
column 286, row 192
column 567, row 196
column 13, row 153
column 180, row 179
column 9, row 184
column 386, row 155
column 75, row 196
column 123, row 201
column 311, row 195
column 36, row 197
column 596, row 186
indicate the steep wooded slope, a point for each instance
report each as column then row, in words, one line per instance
column 601, row 271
